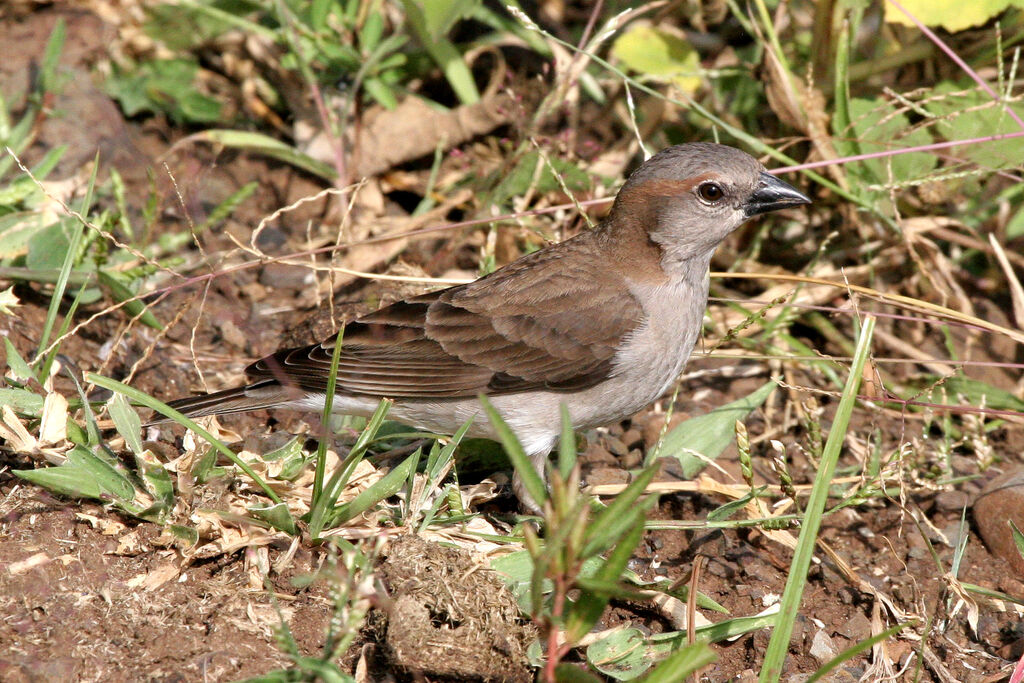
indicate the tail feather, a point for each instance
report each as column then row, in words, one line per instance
column 265, row 394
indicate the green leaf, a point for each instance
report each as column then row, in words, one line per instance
column 974, row 391
column 659, row 54
column 84, row 475
column 430, row 21
column 48, row 248
column 127, row 422
column 109, row 478
column 533, row 171
column 681, row 663
column 622, row 655
column 22, row 401
column 385, row 487
column 587, row 609
column 965, row 112
column 710, row 434
column 439, row 16
column 277, row 516
column 532, row 482
column 952, row 15
column 66, row 480
column 877, row 128
column 266, row 145
column 285, row 452
column 1018, row 537
column 158, row 484
column 570, row 673
column 16, row 365
column 118, row 287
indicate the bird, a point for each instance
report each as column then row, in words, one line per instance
column 602, row 322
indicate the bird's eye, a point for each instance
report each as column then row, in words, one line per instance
column 710, row 192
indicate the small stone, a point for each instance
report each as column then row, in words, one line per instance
column 632, row 460
column 1002, row 500
column 616, row 446
column 951, row 501
column 652, row 430
column 822, row 648
column 596, row 455
column 270, row 238
column 283, row 276
column 607, row 475
column 232, row 334
column 633, row 437
column 856, row 628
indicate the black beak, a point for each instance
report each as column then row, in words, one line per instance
column 771, row 195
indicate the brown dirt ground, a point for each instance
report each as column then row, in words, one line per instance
column 71, row 603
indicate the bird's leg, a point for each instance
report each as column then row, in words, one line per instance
column 539, row 462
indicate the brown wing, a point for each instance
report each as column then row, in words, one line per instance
column 544, row 320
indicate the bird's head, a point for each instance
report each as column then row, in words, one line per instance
column 690, row 197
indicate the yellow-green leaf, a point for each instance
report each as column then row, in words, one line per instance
column 952, row 15
column 659, row 54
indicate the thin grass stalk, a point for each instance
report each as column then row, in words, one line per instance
column 775, row 655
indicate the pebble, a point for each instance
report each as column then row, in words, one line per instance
column 283, row 276
column 1002, row 500
column 951, row 501
column 615, row 446
column 652, row 430
column 856, row 628
column 822, row 648
column 633, row 459
column 633, row 437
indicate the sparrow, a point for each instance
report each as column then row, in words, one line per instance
column 602, row 322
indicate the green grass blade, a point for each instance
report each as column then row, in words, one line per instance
column 778, row 646
column 171, row 413
column 325, row 420
column 385, row 487
column 681, row 663
column 566, row 445
column 520, row 461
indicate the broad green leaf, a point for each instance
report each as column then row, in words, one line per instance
column 710, row 434
column 84, row 475
column 659, row 54
column 386, row 487
column 22, row 401
column 974, row 391
column 622, row 655
column 16, row 365
column 17, row 229
column 570, row 673
column 680, row 664
column 526, row 174
column 1018, row 537
column 289, row 450
column 103, row 472
column 271, row 147
column 158, row 484
column 48, row 247
column 439, row 16
column 952, row 15
column 625, row 655
column 277, row 516
column 118, row 286
column 965, row 113
column 877, row 128
column 127, row 422
column 67, row 480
